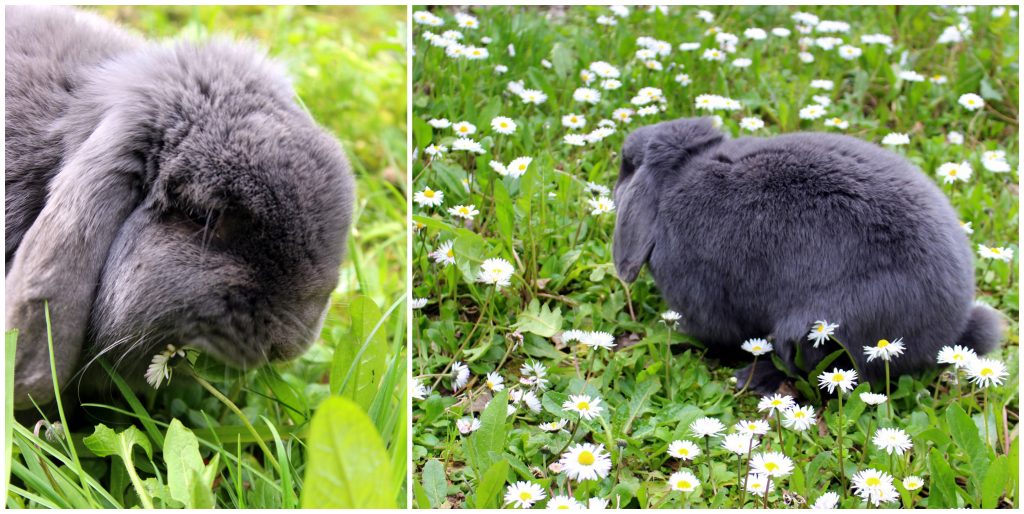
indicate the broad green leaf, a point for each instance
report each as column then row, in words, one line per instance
column 997, row 480
column 543, row 321
column 348, row 467
column 184, row 464
column 104, row 442
column 965, row 435
column 370, row 367
column 489, row 489
column 490, row 437
column 435, row 483
column 563, row 60
column 943, row 486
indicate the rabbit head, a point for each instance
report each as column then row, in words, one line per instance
column 649, row 155
column 197, row 205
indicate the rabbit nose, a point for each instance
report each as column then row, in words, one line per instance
column 311, row 315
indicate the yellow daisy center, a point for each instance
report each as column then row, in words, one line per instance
column 428, row 193
column 952, row 172
column 873, row 481
column 757, row 348
column 583, row 406
column 586, row 458
column 684, row 451
column 490, row 384
column 450, row 253
column 771, row 466
column 525, row 495
column 883, row 343
column 683, row 484
column 986, row 372
column 562, row 507
column 776, row 402
column 821, row 328
column 799, row 414
column 838, row 377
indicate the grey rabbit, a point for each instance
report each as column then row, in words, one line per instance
column 160, row 193
column 755, row 237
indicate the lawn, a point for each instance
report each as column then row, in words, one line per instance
column 285, row 435
column 542, row 380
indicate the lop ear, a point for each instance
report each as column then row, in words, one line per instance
column 60, row 259
column 649, row 156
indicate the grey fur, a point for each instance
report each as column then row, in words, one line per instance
column 753, row 237
column 160, row 194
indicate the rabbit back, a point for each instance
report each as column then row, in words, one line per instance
column 766, row 236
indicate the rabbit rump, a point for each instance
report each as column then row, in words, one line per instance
column 755, row 237
column 159, row 194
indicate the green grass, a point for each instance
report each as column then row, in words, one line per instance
column 965, row 443
column 283, row 436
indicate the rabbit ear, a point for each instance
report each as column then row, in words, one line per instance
column 60, row 259
column 649, row 156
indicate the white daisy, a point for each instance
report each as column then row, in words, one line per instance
column 464, row 128
column 812, row 112
column 563, row 502
column 523, row 495
column 682, row 449
column 951, row 172
column 739, row 443
column 445, row 253
column 574, row 121
column 599, row 340
column 757, row 346
column 873, row 398
column 464, row 211
column 586, row 461
column 601, row 205
column 517, row 168
column 706, row 427
column 913, row 483
column 837, row 123
column 775, row 402
column 468, row 425
column 684, row 481
column 494, row 381
column 958, row 356
column 553, row 426
column 798, row 418
column 999, row 253
column 751, row 124
column 827, row 501
column 460, row 375
column 160, row 367
column 428, row 197
column 821, row 331
column 441, row 123
column 503, row 125
column 843, row 379
column 986, row 372
column 885, row 349
column 971, row 101
column 588, row 408
column 752, row 427
column 892, row 440
column 773, row 464
column 874, row 486
column 586, row 95
column 496, row 272
column 756, row 483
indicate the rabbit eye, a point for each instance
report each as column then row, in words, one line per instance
column 194, row 219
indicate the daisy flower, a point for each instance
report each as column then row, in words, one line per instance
column 873, row 398
column 822, row 84
column 575, row 139
column 885, row 349
column 951, row 172
column 523, row 495
column 160, row 367
column 496, row 272
column 435, row 150
column 599, row 340
column 838, row 123
column 913, row 483
column 998, row 253
column 874, row 486
column 601, row 205
column 427, row 18
column 843, row 379
column 418, row 303
column 713, row 54
column 955, row 138
column 683, row 79
column 892, row 440
column 553, row 426
column 563, row 502
column 995, row 161
column 938, row 79
column 464, row 128
column 464, row 211
column 441, row 123
column 468, row 425
column 460, row 375
column 971, row 101
column 503, row 125
column 827, row 501
column 517, row 168
column 821, row 331
column 752, row 428
column 671, row 316
column 742, row 62
column 597, row 504
column 573, row 121
column 775, row 402
column 532, row 96
column 757, row 346
column 755, row 33
column 773, row 464
column 686, row 450
column 756, row 483
column 688, row 47
column 586, row 461
column 588, row 408
column 528, row 397
column 683, row 480
column 849, row 52
column 751, row 124
column 586, row 95
column 494, row 381
column 966, row 225
column 706, row 427
column 623, row 115
column 610, row 84
column 986, row 372
column 911, row 76
column 428, row 197
column 444, row 254
column 465, row 144
column 812, row 112
column 417, row 390
column 798, row 418
column 896, row 139
column 739, row 443
column 466, row 21
column 958, row 356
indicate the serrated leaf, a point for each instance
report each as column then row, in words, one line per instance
column 543, row 321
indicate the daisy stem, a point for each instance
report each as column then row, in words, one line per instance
column 888, row 395
column 750, row 376
column 778, row 424
column 984, row 413
column 767, row 486
column 841, row 428
column 864, row 454
column 238, row 412
column 707, row 456
column 668, row 359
